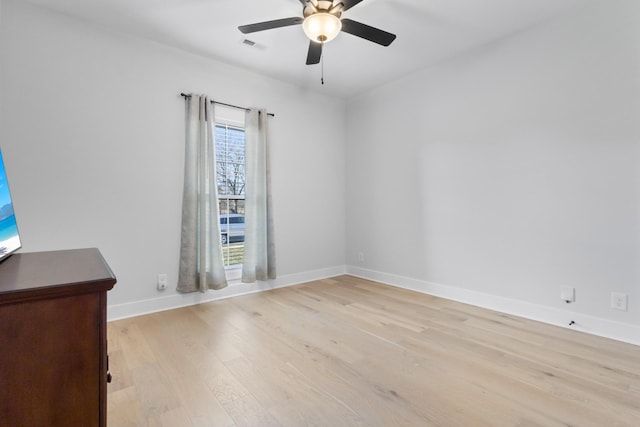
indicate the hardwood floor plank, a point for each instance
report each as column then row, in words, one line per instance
column 123, row 408
column 350, row 352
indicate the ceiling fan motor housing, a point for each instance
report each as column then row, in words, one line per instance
column 322, row 6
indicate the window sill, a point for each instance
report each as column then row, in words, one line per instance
column 234, row 274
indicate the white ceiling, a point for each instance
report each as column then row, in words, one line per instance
column 428, row 31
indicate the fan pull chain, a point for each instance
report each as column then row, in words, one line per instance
column 322, row 66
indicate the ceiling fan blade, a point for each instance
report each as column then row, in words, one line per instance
column 348, row 4
column 268, row 25
column 373, row 34
column 315, row 53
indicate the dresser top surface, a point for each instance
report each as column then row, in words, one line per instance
column 75, row 270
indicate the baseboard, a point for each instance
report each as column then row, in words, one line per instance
column 589, row 324
column 176, row 300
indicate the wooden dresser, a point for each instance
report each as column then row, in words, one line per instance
column 53, row 341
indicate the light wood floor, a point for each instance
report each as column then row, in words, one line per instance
column 349, row 352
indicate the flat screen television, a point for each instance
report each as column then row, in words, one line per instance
column 9, row 237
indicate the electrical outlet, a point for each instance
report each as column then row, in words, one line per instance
column 162, row 281
column 619, row 301
column 360, row 257
column 567, row 294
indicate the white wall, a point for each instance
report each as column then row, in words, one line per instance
column 505, row 173
column 93, row 136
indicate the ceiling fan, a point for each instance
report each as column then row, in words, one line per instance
column 321, row 23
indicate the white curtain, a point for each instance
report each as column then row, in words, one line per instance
column 201, row 264
column 259, row 250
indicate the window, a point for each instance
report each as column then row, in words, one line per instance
column 230, row 179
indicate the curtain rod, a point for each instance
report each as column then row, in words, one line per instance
column 227, row 105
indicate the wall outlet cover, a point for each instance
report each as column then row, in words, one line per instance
column 568, row 294
column 619, row 301
column 162, row 281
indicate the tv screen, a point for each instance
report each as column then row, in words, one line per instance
column 9, row 237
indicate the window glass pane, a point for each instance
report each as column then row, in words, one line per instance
column 230, row 159
column 230, row 180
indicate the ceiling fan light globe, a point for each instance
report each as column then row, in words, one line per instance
column 321, row 27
